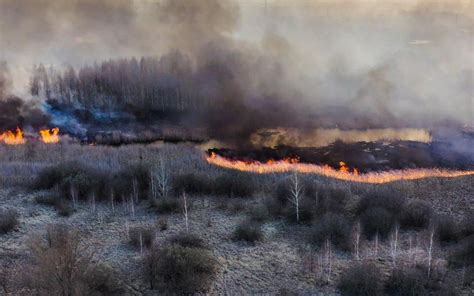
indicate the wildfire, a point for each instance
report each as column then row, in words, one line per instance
column 50, row 136
column 16, row 137
column 343, row 173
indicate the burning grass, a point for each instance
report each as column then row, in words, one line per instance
column 343, row 173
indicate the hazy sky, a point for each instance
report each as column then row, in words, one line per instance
column 401, row 59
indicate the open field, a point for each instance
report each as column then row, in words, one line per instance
column 280, row 256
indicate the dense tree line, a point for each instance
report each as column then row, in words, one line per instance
column 163, row 84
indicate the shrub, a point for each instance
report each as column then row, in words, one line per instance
column 331, row 199
column 54, row 175
column 446, row 229
column 46, row 198
column 178, row 270
column 332, row 227
column 382, row 199
column 360, row 279
column 416, row 214
column 467, row 226
column 192, row 183
column 85, row 180
column 63, row 208
column 63, row 266
column 187, row 240
column 463, row 254
column 8, row 220
column 234, row 185
column 249, row 232
column 141, row 235
column 167, row 205
column 306, row 211
column 103, row 280
column 406, row 282
column 124, row 180
column 163, row 224
column 259, row 214
column 377, row 220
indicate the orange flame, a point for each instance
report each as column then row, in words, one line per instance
column 13, row 137
column 50, row 136
column 288, row 165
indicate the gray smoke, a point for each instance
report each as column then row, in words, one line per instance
column 351, row 64
column 14, row 111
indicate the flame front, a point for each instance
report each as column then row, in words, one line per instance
column 16, row 137
column 288, row 165
column 50, row 136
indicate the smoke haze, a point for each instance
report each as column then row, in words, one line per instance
column 347, row 64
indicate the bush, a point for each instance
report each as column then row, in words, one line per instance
column 167, row 205
column 306, row 211
column 416, row 214
column 54, row 175
column 234, row 185
column 377, row 220
column 259, row 214
column 361, row 279
column 331, row 199
column 332, row 227
column 8, row 221
column 281, row 206
column 178, row 270
column 192, row 183
column 187, row 240
column 463, row 254
column 446, row 229
column 416, row 282
column 63, row 208
column 382, row 199
column 102, row 280
column 249, row 232
column 467, row 226
column 63, row 266
column 85, row 180
column 406, row 282
column 138, row 174
column 163, row 224
column 141, row 235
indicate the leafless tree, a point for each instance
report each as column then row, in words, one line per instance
column 74, row 194
column 296, row 192
column 185, row 211
column 356, row 236
column 160, row 180
column 429, row 250
column 394, row 244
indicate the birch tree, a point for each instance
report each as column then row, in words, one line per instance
column 296, row 192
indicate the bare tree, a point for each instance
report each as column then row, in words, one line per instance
column 356, row 235
column 74, row 194
column 430, row 250
column 328, row 251
column 394, row 244
column 376, row 244
column 296, row 192
column 112, row 199
column 185, row 211
column 160, row 180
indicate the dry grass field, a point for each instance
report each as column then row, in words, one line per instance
column 158, row 219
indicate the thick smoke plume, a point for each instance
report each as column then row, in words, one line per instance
column 15, row 112
column 288, row 63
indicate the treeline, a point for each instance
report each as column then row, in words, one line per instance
column 162, row 84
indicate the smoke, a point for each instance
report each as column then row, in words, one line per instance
column 15, row 112
column 324, row 137
column 358, row 64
